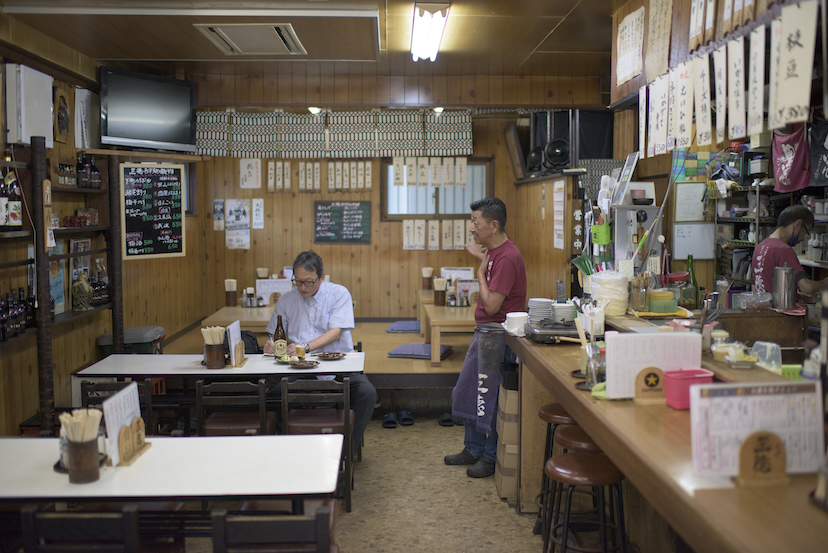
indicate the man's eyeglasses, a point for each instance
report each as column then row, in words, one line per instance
column 305, row 283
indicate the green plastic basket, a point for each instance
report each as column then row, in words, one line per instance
column 792, row 372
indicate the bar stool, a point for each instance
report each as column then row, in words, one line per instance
column 570, row 438
column 594, row 470
column 555, row 415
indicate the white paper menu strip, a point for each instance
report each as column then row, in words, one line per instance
column 736, row 88
column 651, row 116
column 720, row 82
column 410, row 171
column 119, row 411
column 408, row 234
column 627, row 354
column 398, row 171
column 422, row 171
column 419, row 234
column 629, row 45
column 660, row 101
column 448, row 234
column 287, row 175
column 331, row 175
column 684, row 105
column 756, row 82
column 672, row 107
column 309, row 175
column 436, row 167
column 642, row 121
column 776, row 36
column 459, row 234
column 460, row 164
column 448, row 172
column 701, row 91
column 434, row 235
column 369, row 167
column 723, row 415
column 796, row 58
column 301, row 175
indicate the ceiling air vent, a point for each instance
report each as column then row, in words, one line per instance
column 254, row 39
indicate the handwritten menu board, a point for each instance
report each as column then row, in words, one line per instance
column 152, row 210
column 343, row 222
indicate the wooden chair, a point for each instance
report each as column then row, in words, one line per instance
column 93, row 394
column 260, row 533
column 333, row 415
column 54, row 532
column 228, row 401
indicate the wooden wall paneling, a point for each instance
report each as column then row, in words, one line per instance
column 440, row 90
column 257, row 86
column 213, row 89
column 454, row 89
column 383, row 90
column 201, row 88
column 369, row 85
column 412, row 90
column 552, row 91
column 579, row 91
column 341, row 81
column 496, row 90
column 565, row 90
column 228, row 89
column 524, row 90
column 467, row 83
column 270, row 89
column 242, row 89
column 481, row 94
column 509, row 90
column 593, row 90
column 397, row 88
column 298, row 84
column 355, row 84
column 313, row 84
column 284, row 86
column 425, row 90
column 537, row 91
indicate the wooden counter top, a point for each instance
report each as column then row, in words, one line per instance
column 651, row 445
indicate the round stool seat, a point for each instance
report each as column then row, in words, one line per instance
column 554, row 413
column 574, row 438
column 583, row 469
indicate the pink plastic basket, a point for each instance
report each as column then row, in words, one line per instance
column 677, row 385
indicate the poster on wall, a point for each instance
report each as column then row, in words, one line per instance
column 56, row 287
column 218, row 214
column 237, row 221
column 250, row 173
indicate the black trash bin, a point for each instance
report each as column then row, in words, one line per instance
column 137, row 339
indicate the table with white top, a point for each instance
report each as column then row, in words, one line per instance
column 182, row 469
column 189, row 365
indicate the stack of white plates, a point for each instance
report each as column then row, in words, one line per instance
column 516, row 321
column 539, row 308
column 564, row 312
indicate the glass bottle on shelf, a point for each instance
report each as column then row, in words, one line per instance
column 104, row 288
column 94, row 174
column 24, row 308
column 81, row 169
column 31, row 319
column 11, row 325
column 4, row 206
column 692, row 290
column 4, row 320
column 15, row 202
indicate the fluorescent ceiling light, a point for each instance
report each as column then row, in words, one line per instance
column 427, row 30
column 315, row 111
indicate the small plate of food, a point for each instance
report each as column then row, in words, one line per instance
column 303, row 364
column 333, row 356
column 286, row 359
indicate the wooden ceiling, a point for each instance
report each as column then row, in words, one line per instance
column 483, row 37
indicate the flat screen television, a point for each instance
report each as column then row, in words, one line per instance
column 147, row 111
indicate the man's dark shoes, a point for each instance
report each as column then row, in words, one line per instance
column 462, row 458
column 482, row 468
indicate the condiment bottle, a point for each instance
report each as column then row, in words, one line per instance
column 692, row 290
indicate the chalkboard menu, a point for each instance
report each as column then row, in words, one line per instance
column 343, row 222
column 152, row 210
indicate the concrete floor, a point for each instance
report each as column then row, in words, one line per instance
column 406, row 499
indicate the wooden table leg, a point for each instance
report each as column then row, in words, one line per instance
column 422, row 318
column 435, row 346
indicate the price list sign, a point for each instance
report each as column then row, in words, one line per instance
column 152, row 210
column 343, row 222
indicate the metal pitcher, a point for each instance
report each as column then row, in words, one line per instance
column 784, row 287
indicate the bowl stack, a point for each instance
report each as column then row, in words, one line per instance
column 539, row 309
column 516, row 321
column 564, row 312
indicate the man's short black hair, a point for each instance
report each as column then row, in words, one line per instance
column 492, row 209
column 310, row 261
column 793, row 214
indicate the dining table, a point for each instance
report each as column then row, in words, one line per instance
column 220, row 468
column 440, row 319
column 424, row 297
column 254, row 319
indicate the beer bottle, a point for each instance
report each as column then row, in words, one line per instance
column 280, row 340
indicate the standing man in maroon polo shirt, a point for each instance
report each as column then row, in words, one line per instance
column 502, row 280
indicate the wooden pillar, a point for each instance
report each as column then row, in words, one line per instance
column 113, row 239
column 45, row 376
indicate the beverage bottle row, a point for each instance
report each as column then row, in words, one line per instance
column 11, row 203
column 17, row 313
column 88, row 174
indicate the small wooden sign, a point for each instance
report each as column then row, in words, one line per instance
column 762, row 460
column 132, row 442
column 240, row 358
column 649, row 386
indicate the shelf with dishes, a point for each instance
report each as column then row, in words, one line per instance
column 736, row 243
column 811, row 263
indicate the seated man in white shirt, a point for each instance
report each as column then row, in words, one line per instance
column 320, row 315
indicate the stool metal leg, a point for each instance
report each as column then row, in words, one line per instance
column 602, row 520
column 565, row 527
column 619, row 502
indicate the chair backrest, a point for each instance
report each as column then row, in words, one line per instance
column 316, row 393
column 231, row 395
column 59, row 532
column 265, row 533
column 93, row 394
